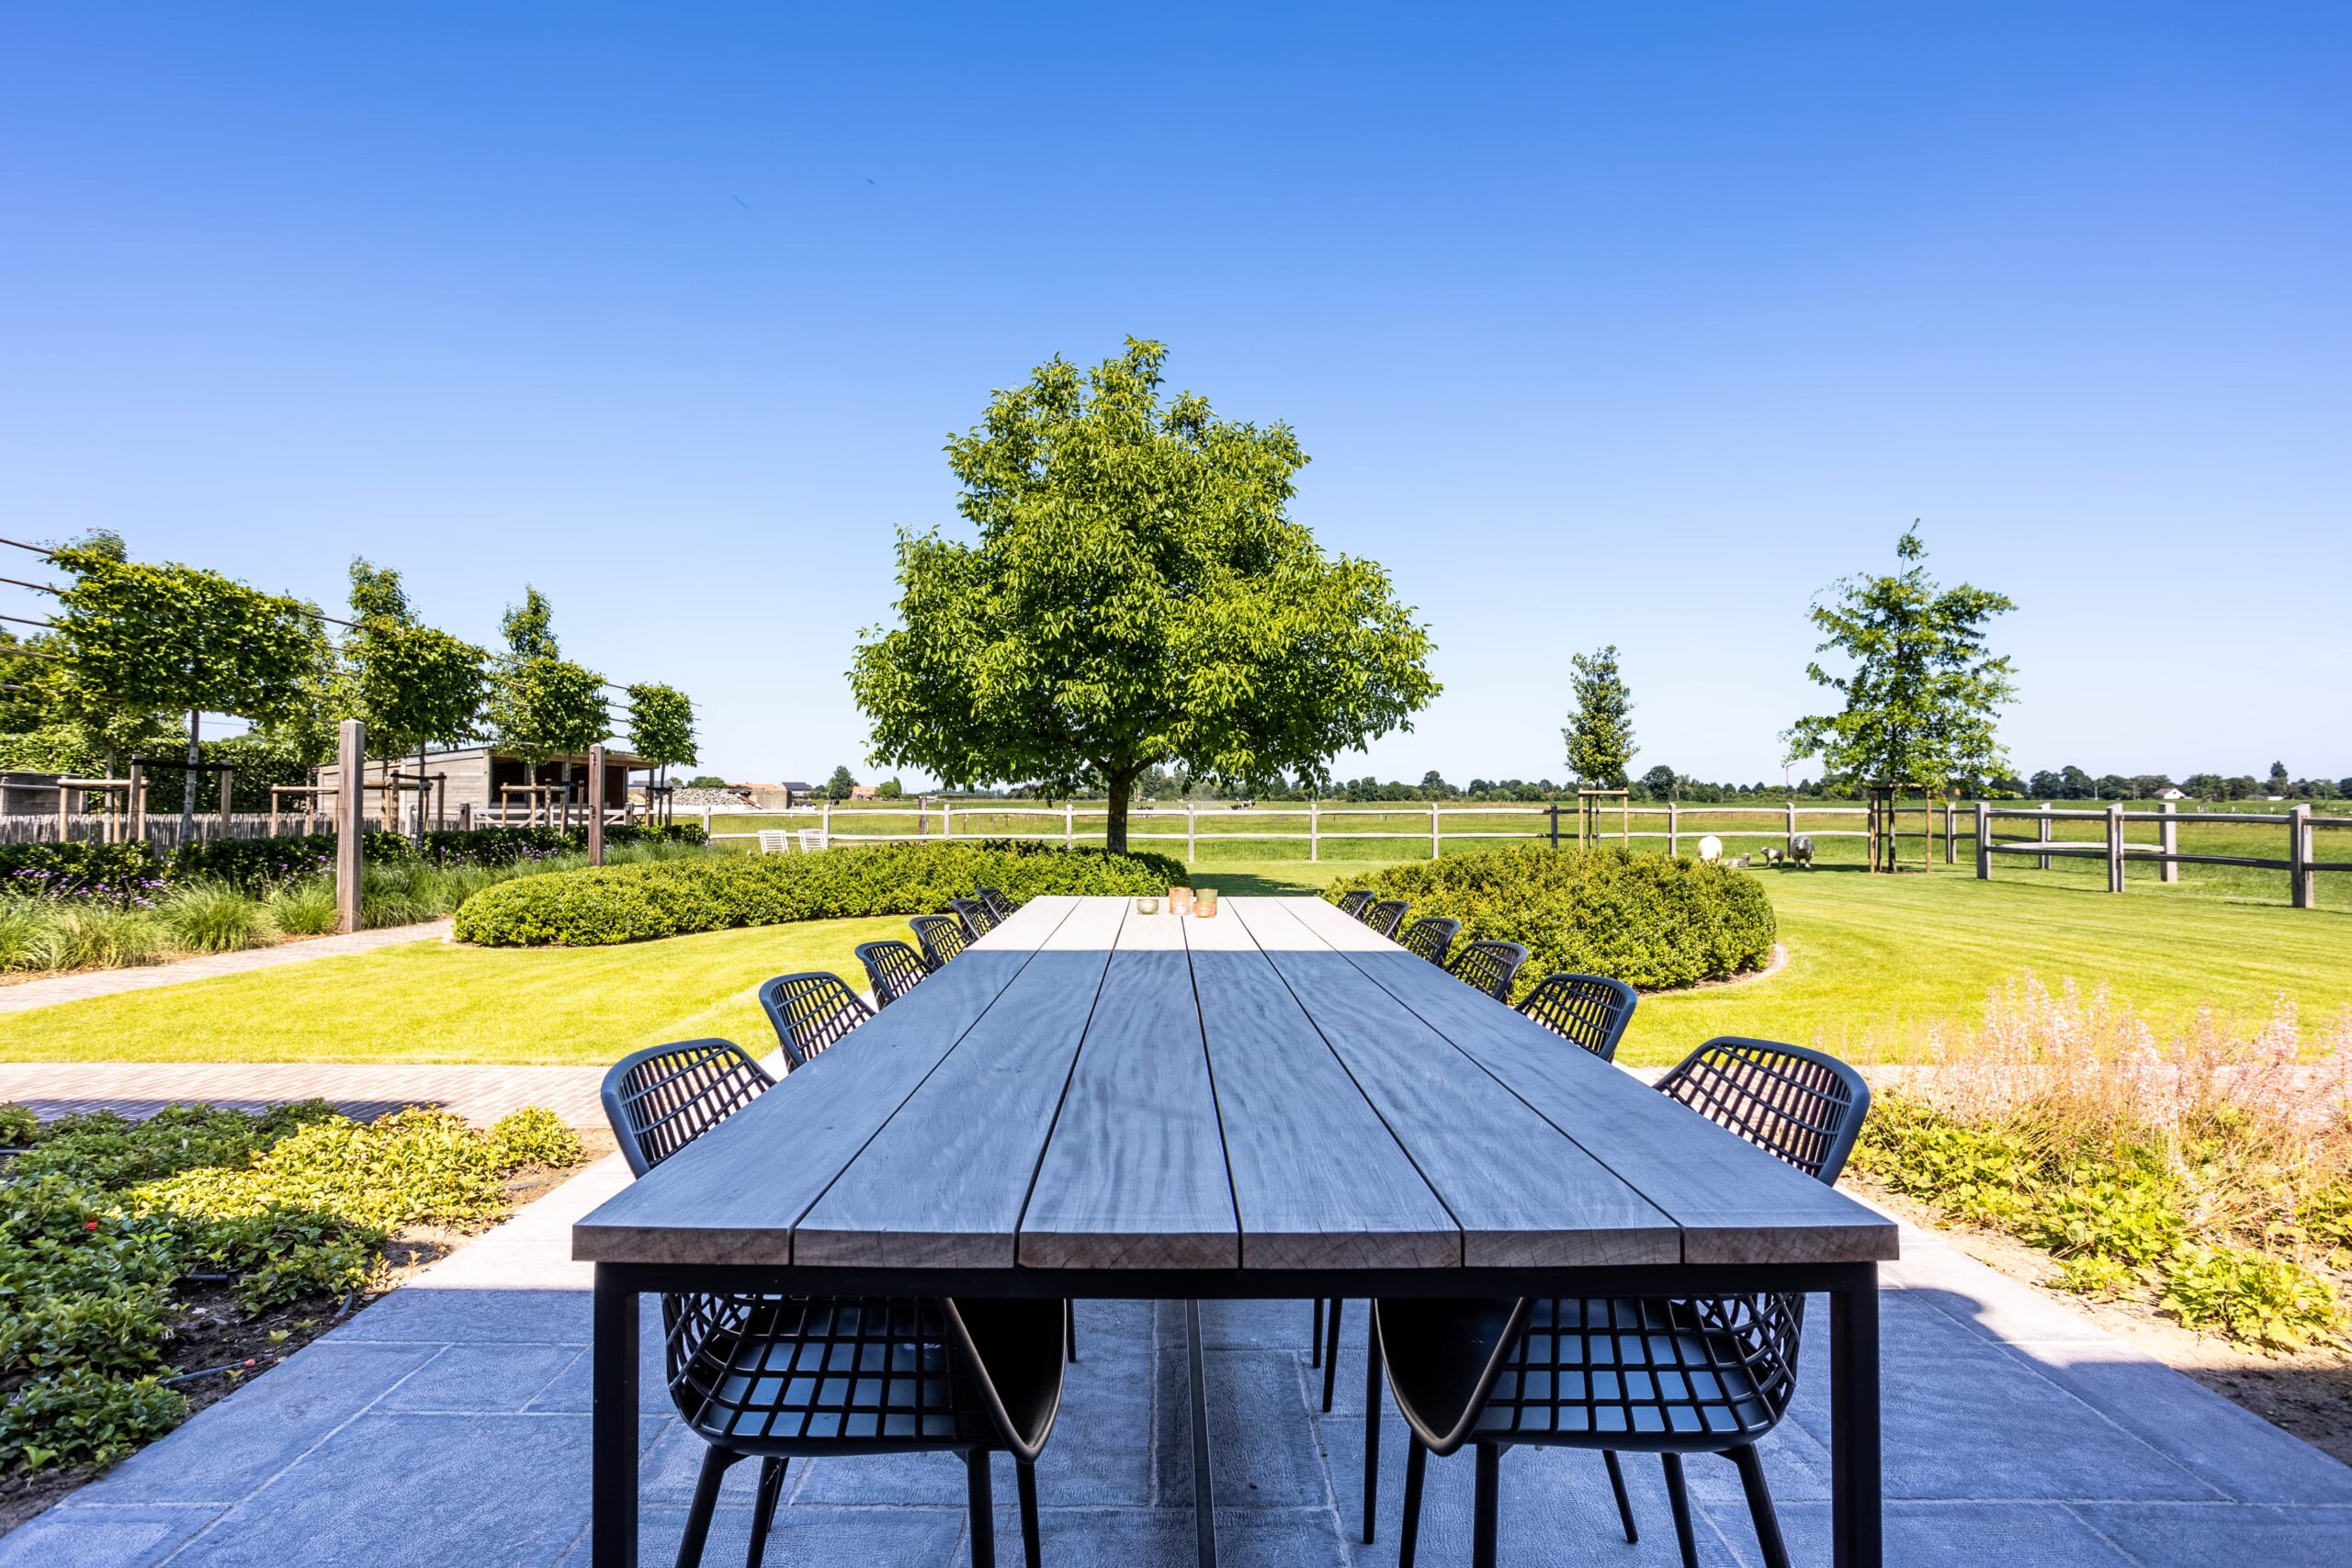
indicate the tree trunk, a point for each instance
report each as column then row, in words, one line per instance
column 1115, row 826
column 187, row 780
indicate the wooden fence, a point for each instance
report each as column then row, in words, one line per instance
column 2299, row 825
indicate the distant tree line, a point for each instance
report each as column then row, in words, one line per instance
column 2070, row 782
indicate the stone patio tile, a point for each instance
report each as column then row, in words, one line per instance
column 1256, row 1325
column 234, row 1445
column 75, row 1534
column 418, row 1315
column 497, row 1378
column 571, row 1388
column 2225, row 1444
column 1954, row 1535
column 2160, row 1537
column 819, row 1538
column 1556, row 1509
column 1261, row 1443
column 400, row 1490
column 1246, row 1538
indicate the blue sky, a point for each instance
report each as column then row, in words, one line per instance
column 1634, row 325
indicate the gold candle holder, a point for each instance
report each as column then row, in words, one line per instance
column 1147, row 903
column 1205, row 903
column 1179, row 900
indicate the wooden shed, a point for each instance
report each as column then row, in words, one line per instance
column 489, row 783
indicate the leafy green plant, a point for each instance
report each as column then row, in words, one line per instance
column 82, row 868
column 2251, row 1295
column 533, row 1136
column 632, row 903
column 305, row 909
column 99, row 936
column 81, row 1416
column 1651, row 922
column 17, row 1126
column 212, row 917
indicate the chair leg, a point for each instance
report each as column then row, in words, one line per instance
column 1070, row 1330
column 1025, row 1474
column 763, row 1508
column 716, row 1464
column 1624, row 1504
column 1759, row 1506
column 1679, row 1498
column 980, row 1504
column 1371, row 1424
column 1314, row 1356
column 1485, row 1503
column 1331, row 1354
column 1416, row 1464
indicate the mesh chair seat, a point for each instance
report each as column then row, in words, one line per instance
column 1355, row 904
column 810, row 1011
column 941, row 936
column 1590, row 1011
column 997, row 903
column 1383, row 916
column 1429, row 938
column 893, row 967
column 664, row 1097
column 977, row 917
column 1488, row 966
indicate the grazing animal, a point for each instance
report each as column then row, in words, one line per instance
column 1801, row 851
column 1773, row 856
column 1711, row 848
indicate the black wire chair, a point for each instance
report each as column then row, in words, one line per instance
column 977, row 917
column 942, row 937
column 1488, row 966
column 1383, row 916
column 997, row 904
column 1355, row 904
column 893, row 967
column 1631, row 1375
column 1429, row 937
column 810, row 1011
column 776, row 1377
column 1590, row 1011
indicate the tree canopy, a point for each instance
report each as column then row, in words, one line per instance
column 662, row 724
column 1134, row 595
column 1600, row 732
column 1923, row 692
column 542, row 704
column 412, row 684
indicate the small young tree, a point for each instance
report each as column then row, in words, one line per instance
column 143, row 640
column 542, row 704
column 1599, row 731
column 661, row 725
column 1921, row 698
column 839, row 784
column 1135, row 596
column 412, row 684
column 890, row 789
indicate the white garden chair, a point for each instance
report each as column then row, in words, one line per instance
column 812, row 841
column 775, row 841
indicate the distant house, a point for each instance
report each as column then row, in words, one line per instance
column 2168, row 793
column 861, row 792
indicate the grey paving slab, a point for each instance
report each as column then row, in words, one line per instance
column 490, row 1379
column 77, row 1535
column 2159, row 1537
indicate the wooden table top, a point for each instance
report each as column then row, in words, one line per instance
column 1276, row 1087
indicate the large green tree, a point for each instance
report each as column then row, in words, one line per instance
column 662, row 725
column 145, row 640
column 1922, row 694
column 541, row 704
column 1134, row 595
column 413, row 685
column 1599, row 731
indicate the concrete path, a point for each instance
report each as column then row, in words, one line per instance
column 28, row 994
column 479, row 1093
column 447, row 1423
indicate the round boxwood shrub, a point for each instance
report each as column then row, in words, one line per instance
column 598, row 907
column 1649, row 920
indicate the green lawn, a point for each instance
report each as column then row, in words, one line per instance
column 1872, row 961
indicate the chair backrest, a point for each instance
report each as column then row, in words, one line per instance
column 941, row 936
column 1355, row 904
column 998, row 904
column 810, row 1011
column 1429, row 937
column 664, row 1097
column 979, row 918
column 776, row 841
column 1590, row 1011
column 1799, row 1103
column 893, row 967
column 1384, row 917
column 1488, row 966
column 812, row 839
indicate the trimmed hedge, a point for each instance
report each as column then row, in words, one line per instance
column 1649, row 920
column 632, row 903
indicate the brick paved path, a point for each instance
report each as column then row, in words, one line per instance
column 108, row 982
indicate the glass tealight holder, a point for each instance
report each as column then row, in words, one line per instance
column 1179, row 900
column 1147, row 903
column 1205, row 903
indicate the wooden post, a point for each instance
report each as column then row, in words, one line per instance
column 826, row 826
column 465, row 817
column 1951, row 841
column 596, row 805
column 946, row 817
column 2299, row 856
column 705, row 821
column 2115, row 847
column 138, row 802
column 351, row 758
column 1314, row 829
column 1789, row 844
column 1433, row 849
column 2043, row 829
column 1553, row 811
column 2168, row 840
column 1673, row 831
column 1070, row 824
column 1983, row 840
column 64, row 809
column 227, row 801
column 1189, row 831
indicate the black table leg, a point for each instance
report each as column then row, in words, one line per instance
column 1371, row 1419
column 1203, row 1483
column 612, row 1438
column 1855, row 1482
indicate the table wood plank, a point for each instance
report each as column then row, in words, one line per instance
column 1319, row 1180
column 1134, row 1176
column 733, row 1195
column 941, row 1185
column 1523, row 1194
column 1735, row 1203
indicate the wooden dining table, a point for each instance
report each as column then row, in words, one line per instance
column 1272, row 1101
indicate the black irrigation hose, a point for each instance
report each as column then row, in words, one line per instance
column 347, row 1298
column 210, row 1372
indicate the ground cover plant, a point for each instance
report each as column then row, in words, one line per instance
column 1648, row 920
column 620, row 904
column 146, row 1266
column 2208, row 1174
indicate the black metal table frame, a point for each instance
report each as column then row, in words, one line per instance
column 1853, row 1289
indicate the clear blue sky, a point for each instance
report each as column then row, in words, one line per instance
column 1634, row 327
